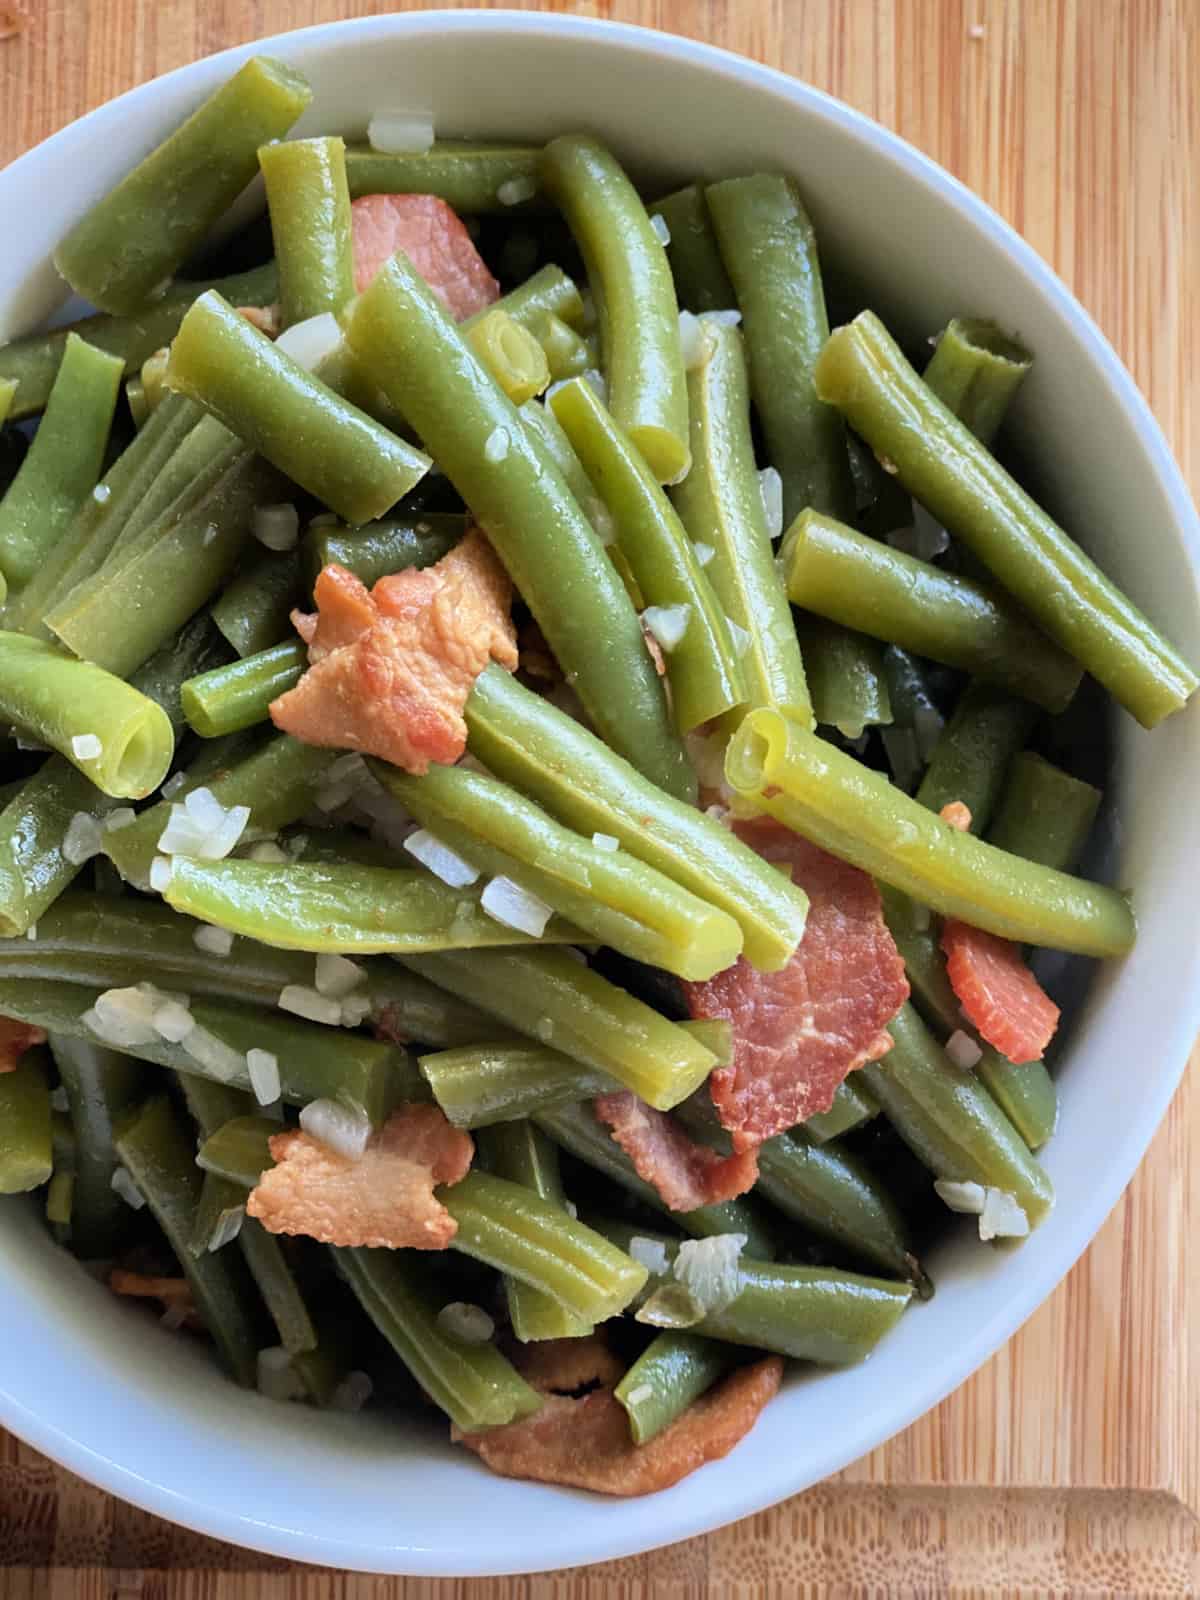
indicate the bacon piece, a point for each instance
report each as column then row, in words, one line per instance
column 998, row 993
column 384, row 1199
column 586, row 1443
column 392, row 668
column 433, row 238
column 173, row 1294
column 15, row 1038
column 685, row 1174
column 267, row 319
column 957, row 814
column 798, row 1032
column 564, row 1366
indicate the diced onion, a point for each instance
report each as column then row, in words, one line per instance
column 213, row 941
column 708, row 1269
column 335, row 976
column 662, row 230
column 770, row 486
column 122, row 1184
column 161, row 869
column 173, row 785
column 513, row 191
column 277, row 1377
column 925, row 539
column 268, row 851
column 120, row 817
column 86, row 747
column 703, row 552
column 101, row 493
column 723, row 319
column 505, row 901
column 598, row 384
column 668, row 624
column 345, row 1131
column 125, row 1017
column 263, row 1067
column 693, row 341
column 650, row 1253
column 217, row 1058
column 496, row 446
column 644, row 1391
column 83, row 839
column 356, row 1008
column 352, row 1393
column 203, row 827
column 173, row 1021
column 968, row 1198
column 278, row 527
column 304, row 1002
column 397, row 133
column 59, row 1100
column 601, row 519
column 443, row 862
column 963, row 1050
column 227, row 1230
column 31, row 932
column 1002, row 1217
column 606, row 841
column 467, row 1322
column 312, row 341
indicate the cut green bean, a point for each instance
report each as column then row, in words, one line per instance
column 229, row 698
column 548, row 756
column 512, row 355
column 856, row 814
column 701, row 282
column 156, row 1150
column 101, row 1087
column 846, row 680
column 120, row 254
column 703, row 666
column 379, row 548
column 609, row 893
column 546, row 432
column 721, row 505
column 479, row 1085
column 567, row 355
column 939, row 460
column 548, row 994
column 474, row 177
column 309, row 204
column 402, row 336
column 976, row 371
column 135, row 399
column 253, row 613
column 62, row 463
column 220, row 1214
column 1044, row 814
column 863, row 584
column 852, row 1106
column 674, row 1369
column 26, row 1126
column 33, row 828
column 8, row 393
column 264, row 1255
column 971, row 757
column 634, row 295
column 769, row 250
column 918, row 939
column 548, row 290
column 239, row 1151
column 472, row 1383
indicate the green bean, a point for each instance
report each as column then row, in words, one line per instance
column 101, row 1087
column 156, row 1150
column 277, row 782
column 227, row 699
column 8, row 393
column 855, row 813
column 33, row 826
column 634, row 296
column 62, row 702
column 264, row 1255
column 701, row 282
column 546, row 993
column 721, row 506
column 405, row 1007
column 62, row 463
column 546, row 432
column 703, row 667
column 33, row 361
column 119, row 254
column 213, row 1104
column 940, row 461
column 26, row 1130
column 917, row 938
column 135, row 398
column 547, row 755
column 60, row 1200
column 950, row 1122
column 567, row 355
column 479, row 1085
column 348, row 909
column 468, row 174
column 521, row 1153
column 769, row 250
column 472, row 1383
column 972, row 755
column 1044, row 814
column 309, row 204
column 515, row 1230
column 323, row 443
column 222, row 1208
column 852, row 1106
column 512, row 355
column 608, row 893
column 548, row 290
column 975, row 372
column 809, row 1313
column 576, row 1128
column 254, row 610
column 846, row 681
column 673, row 1370
column 376, row 549
column 863, row 584
column 169, row 580
column 239, row 1151
column 402, row 336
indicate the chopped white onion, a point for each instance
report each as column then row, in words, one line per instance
column 173, row 1021
column 356, row 1008
column 83, row 839
column 217, row 1058
column 703, row 552
column 569, row 1206
column 644, row 1391
column 601, row 519
column 278, row 527
column 650, row 1253
column 467, row 1322
column 86, row 747
column 505, row 901
column 213, row 941
column 606, row 841
column 544, row 1028
column 398, row 133
column 968, row 1198
column 122, row 1184
column 345, row 1131
column 443, row 862
column 335, row 976
column 739, row 637
column 513, row 191
column 161, row 869
column 268, row 852
column 723, row 319
column 121, row 817
column 277, row 1378
column 693, row 341
column 304, row 1002
column 963, row 1050
column 598, row 383
column 173, row 785
column 125, row 1017
column 31, row 932
column 920, row 918
column 227, row 1230
column 352, row 1393
column 926, row 538
column 312, row 341
column 496, row 446
column 203, row 827
column 263, row 1067
column 770, row 486
column 59, row 1100
column 668, row 624
column 101, row 493
column 708, row 1269
column 1002, row 1217
column 662, row 230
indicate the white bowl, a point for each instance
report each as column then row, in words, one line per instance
column 91, row 1383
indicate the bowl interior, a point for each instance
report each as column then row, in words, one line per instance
column 92, row 1382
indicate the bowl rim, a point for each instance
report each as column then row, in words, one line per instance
column 1139, row 1124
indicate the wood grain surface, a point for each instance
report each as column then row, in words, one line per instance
column 1071, row 1463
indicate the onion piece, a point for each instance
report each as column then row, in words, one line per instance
column 398, row 133
column 963, row 1050
column 278, row 527
column 263, row 1067
column 668, row 624
column 346, row 1132
column 506, row 902
column 468, row 1323
column 312, row 341
column 443, row 862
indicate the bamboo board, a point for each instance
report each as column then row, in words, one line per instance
column 1071, row 1463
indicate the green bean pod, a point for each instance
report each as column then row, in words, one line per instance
column 701, row 282
column 8, row 393
column 480, row 1085
column 846, row 680
column 703, row 668
column 548, row 756
column 222, row 1205
column 852, row 1106
column 33, row 827
column 512, row 355
column 376, row 549
column 119, row 254
column 973, row 752
column 975, row 371
column 26, row 1127
column 856, row 814
column 610, row 894
column 238, row 1151
column 549, row 290
column 276, row 1282
column 546, row 433
column 721, row 506
column 634, row 295
column 939, row 460
column 309, row 204
column 1044, row 814
column 863, row 584
column 673, row 1370
column 253, row 612
column 186, row 480
column 474, row 177
column 227, row 699
column 567, row 354
column 62, row 463
column 918, row 939
column 403, row 337
column 101, row 1086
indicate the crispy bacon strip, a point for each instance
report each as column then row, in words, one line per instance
column 392, row 667
column 432, row 237
column 383, row 1200
column 998, row 993
column 15, row 1038
column 798, row 1032
column 685, row 1174
column 173, row 1294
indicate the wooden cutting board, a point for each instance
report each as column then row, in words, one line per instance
column 1071, row 1463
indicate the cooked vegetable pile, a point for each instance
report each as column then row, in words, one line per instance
column 535, row 772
